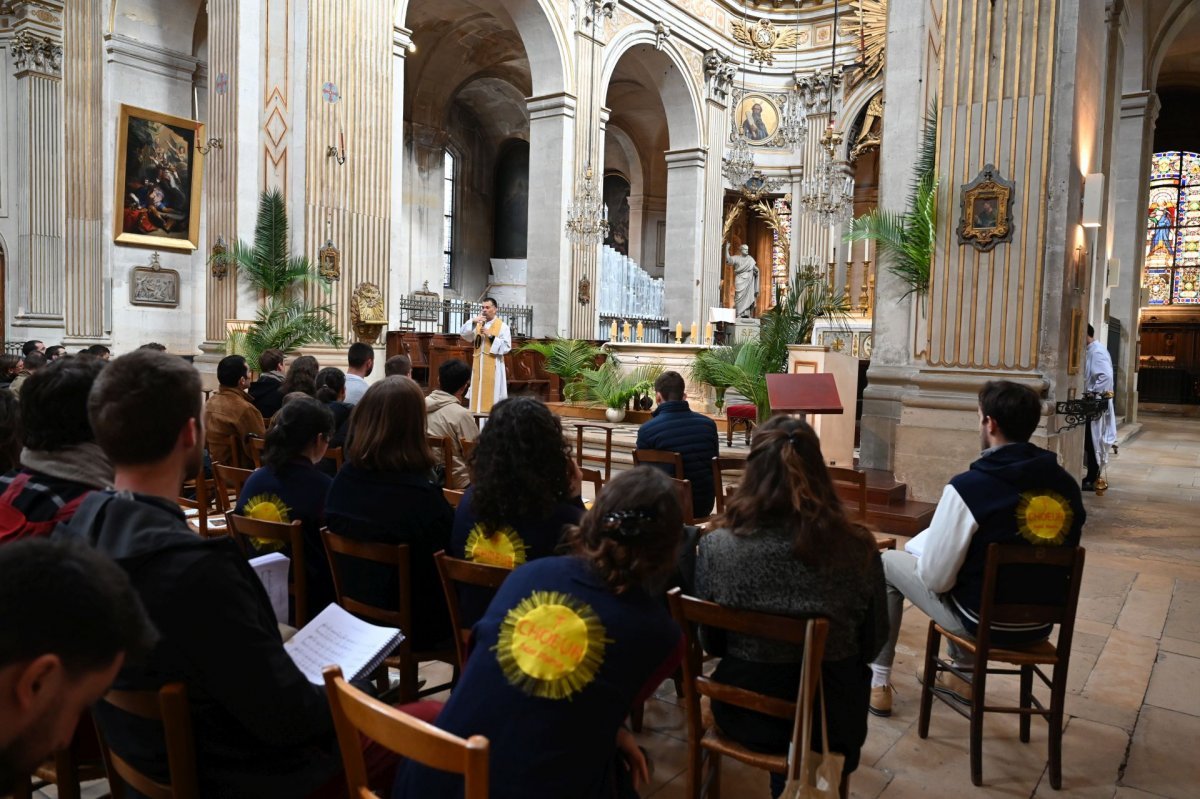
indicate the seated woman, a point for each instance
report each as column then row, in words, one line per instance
column 331, row 390
column 566, row 648
column 785, row 546
column 289, row 487
column 524, row 493
column 301, row 376
column 385, row 493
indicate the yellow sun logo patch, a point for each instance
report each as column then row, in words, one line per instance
column 267, row 508
column 1044, row 518
column 551, row 645
column 503, row 548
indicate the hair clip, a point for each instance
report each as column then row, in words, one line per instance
column 625, row 523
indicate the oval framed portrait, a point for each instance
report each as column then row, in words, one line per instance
column 757, row 119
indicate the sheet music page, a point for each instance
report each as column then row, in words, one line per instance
column 272, row 570
column 336, row 638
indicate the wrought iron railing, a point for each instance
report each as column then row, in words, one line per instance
column 434, row 315
column 654, row 330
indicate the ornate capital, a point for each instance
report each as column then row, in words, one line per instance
column 33, row 53
column 719, row 72
column 815, row 90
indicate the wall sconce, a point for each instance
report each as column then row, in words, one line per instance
column 218, row 261
column 211, row 144
column 1093, row 199
column 338, row 152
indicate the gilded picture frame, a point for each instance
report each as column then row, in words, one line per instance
column 985, row 208
column 757, row 117
column 158, row 178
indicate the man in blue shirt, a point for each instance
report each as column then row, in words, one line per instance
column 677, row 428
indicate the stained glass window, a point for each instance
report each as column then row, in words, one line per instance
column 1172, row 274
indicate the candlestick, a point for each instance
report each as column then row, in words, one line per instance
column 640, row 331
column 692, row 340
column 625, row 331
column 864, row 297
column 342, row 140
column 871, row 292
column 708, row 333
column 679, row 332
column 612, row 331
column 849, row 288
column 829, row 275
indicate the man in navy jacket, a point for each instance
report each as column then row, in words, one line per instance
column 677, row 428
column 1016, row 493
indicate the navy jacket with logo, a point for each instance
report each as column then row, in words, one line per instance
column 677, row 428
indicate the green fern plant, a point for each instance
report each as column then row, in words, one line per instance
column 906, row 241
column 285, row 320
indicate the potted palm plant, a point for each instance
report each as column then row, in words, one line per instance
column 612, row 388
column 566, row 358
column 286, row 319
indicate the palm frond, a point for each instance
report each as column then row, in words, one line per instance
column 610, row 386
column 565, row 357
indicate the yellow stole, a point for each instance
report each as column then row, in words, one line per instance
column 483, row 368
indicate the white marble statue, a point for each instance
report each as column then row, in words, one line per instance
column 745, row 281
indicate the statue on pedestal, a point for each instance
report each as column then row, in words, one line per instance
column 745, row 281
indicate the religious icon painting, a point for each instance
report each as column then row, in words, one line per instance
column 757, row 119
column 986, row 210
column 157, row 180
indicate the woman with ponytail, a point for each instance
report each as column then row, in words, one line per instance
column 289, row 486
column 785, row 545
column 331, row 390
column 568, row 645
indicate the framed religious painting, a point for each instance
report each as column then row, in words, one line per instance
column 157, row 180
column 985, row 207
column 757, row 119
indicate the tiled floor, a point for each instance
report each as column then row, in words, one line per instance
column 1133, row 704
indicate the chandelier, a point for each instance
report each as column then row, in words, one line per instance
column 827, row 192
column 587, row 215
column 738, row 163
column 793, row 128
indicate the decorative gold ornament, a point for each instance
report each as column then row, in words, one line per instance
column 986, row 207
column 870, row 136
column 870, row 27
column 585, row 290
column 329, row 261
column 367, row 314
column 764, row 39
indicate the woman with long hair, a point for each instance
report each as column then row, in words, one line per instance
column 385, row 493
column 301, row 376
column 331, row 390
column 289, row 487
column 566, row 648
column 785, row 545
column 523, row 495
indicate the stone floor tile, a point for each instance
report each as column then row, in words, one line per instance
column 1183, row 619
column 868, row 783
column 1179, row 646
column 1103, row 592
column 669, row 757
column 1134, row 793
column 1099, row 710
column 1092, row 757
column 1174, row 683
column 1085, row 651
column 1162, row 759
column 1144, row 612
column 1123, row 670
column 666, row 718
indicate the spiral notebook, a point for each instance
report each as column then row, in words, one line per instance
column 337, row 638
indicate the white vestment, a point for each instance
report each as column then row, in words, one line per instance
column 1098, row 379
column 493, row 352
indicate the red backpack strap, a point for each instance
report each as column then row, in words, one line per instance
column 68, row 510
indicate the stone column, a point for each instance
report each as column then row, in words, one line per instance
column 86, row 289
column 400, row 268
column 37, row 56
column 686, row 203
column 1131, row 176
column 637, row 222
column 718, row 74
column 551, row 141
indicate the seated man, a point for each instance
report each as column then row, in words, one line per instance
column 942, row 571
column 677, row 428
column 31, row 346
column 79, row 622
column 229, row 416
column 33, row 362
column 60, row 462
column 398, row 366
column 447, row 416
column 360, row 362
column 261, row 729
column 265, row 391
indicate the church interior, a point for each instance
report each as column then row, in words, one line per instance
column 928, row 194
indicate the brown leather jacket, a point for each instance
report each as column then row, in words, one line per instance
column 228, row 413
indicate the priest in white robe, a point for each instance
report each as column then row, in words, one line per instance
column 491, row 338
column 1101, row 432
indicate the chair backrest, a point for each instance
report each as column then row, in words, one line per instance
column 229, row 481
column 719, row 467
column 443, row 449
column 606, row 458
column 169, row 707
column 455, row 572
column 335, row 454
column 690, row 612
column 291, row 535
column 673, row 459
column 204, row 489
column 683, row 488
column 356, row 714
column 395, row 556
column 858, row 480
column 468, row 448
column 593, row 476
column 1062, row 567
column 453, row 496
column 257, row 446
column 237, row 448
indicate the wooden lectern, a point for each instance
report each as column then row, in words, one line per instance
column 803, row 393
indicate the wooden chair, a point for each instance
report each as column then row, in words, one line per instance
column 455, row 572
column 291, row 535
column 355, row 714
column 707, row 744
column 67, row 768
column 1067, row 565
column 468, row 447
column 453, row 496
column 719, row 467
column 169, row 707
column 594, row 477
column 335, row 454
column 405, row 659
column 606, row 459
column 229, row 481
column 443, row 450
column 683, row 488
column 673, row 459
column 256, row 446
column 204, row 491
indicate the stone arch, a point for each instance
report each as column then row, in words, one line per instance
column 170, row 24
column 625, row 145
column 677, row 88
column 1174, row 21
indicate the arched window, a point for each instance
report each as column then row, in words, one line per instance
column 448, row 178
column 1172, row 274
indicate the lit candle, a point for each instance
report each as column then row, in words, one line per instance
column 612, row 331
column 625, row 337
column 708, row 333
column 679, row 332
column 640, row 331
column 692, row 340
